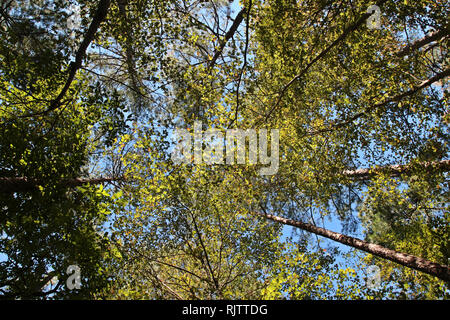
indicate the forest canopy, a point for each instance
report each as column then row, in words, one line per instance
column 213, row 149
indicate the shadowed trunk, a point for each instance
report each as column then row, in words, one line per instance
column 24, row 184
column 98, row 18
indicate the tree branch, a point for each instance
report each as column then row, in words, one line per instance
column 24, row 184
column 241, row 73
column 129, row 55
column 228, row 36
column 396, row 98
column 347, row 31
column 99, row 16
column 435, row 36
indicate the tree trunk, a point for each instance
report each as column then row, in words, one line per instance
column 407, row 260
column 98, row 18
column 396, row 169
column 134, row 83
column 24, row 184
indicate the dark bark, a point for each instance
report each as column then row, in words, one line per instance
column 404, row 259
column 99, row 16
column 435, row 36
column 228, row 36
column 24, row 184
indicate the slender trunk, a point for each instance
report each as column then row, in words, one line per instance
column 340, row 124
column 24, row 184
column 134, row 83
column 397, row 169
column 407, row 260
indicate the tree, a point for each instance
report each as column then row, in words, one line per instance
column 46, row 227
column 373, row 98
column 363, row 119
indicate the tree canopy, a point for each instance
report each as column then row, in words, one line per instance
column 352, row 98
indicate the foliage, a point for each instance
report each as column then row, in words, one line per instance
column 344, row 97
